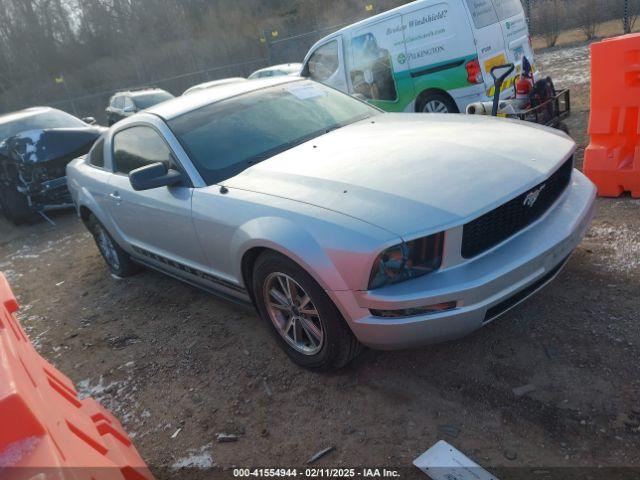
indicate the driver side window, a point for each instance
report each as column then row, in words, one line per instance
column 136, row 147
column 324, row 62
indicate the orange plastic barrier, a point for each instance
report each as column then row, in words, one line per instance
column 612, row 160
column 46, row 431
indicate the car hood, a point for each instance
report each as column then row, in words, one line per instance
column 413, row 173
column 46, row 145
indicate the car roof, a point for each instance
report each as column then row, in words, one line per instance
column 139, row 91
column 215, row 83
column 22, row 114
column 174, row 108
column 282, row 66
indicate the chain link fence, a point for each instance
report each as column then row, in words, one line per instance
column 93, row 104
column 547, row 18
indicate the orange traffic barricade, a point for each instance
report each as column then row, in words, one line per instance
column 612, row 159
column 46, row 430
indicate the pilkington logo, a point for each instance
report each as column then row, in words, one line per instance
column 402, row 59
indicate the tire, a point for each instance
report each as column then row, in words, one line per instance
column 436, row 102
column 325, row 341
column 118, row 261
column 15, row 206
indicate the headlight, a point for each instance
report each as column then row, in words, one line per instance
column 407, row 260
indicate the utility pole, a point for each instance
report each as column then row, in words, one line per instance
column 527, row 7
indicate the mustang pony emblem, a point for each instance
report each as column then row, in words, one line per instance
column 532, row 197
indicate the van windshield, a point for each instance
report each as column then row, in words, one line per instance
column 490, row 12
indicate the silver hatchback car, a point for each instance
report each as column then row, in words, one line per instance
column 343, row 225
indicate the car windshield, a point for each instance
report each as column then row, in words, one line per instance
column 37, row 121
column 147, row 100
column 224, row 138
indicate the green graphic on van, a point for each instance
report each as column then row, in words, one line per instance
column 402, row 59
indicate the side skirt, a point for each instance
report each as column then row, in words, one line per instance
column 202, row 286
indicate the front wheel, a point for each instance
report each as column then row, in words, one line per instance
column 15, row 205
column 302, row 317
column 437, row 103
column 114, row 256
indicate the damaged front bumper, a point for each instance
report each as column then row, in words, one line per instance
column 47, row 195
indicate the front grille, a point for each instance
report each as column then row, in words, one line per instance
column 496, row 226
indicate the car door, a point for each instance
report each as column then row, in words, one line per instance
column 157, row 223
column 326, row 65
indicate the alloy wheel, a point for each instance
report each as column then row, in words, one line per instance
column 107, row 247
column 293, row 313
column 435, row 106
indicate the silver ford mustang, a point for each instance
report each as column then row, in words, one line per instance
column 343, row 225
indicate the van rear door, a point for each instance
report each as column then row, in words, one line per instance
column 489, row 38
column 515, row 30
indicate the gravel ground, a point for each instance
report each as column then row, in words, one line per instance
column 179, row 366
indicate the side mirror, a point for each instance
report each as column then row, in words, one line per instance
column 89, row 120
column 155, row 175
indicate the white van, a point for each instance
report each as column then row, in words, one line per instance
column 425, row 56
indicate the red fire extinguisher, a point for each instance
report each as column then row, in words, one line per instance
column 524, row 84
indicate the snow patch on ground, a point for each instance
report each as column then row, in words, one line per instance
column 566, row 66
column 196, row 458
column 624, row 246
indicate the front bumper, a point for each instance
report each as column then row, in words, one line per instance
column 483, row 287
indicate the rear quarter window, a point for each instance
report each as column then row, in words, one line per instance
column 96, row 155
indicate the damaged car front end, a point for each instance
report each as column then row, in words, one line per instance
column 33, row 161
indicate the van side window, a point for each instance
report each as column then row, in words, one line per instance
column 372, row 70
column 482, row 12
column 324, row 62
column 96, row 155
column 139, row 146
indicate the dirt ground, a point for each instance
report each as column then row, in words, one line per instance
column 164, row 357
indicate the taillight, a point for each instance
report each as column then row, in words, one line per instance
column 474, row 73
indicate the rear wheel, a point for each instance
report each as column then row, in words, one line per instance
column 436, row 102
column 15, row 205
column 118, row 261
column 302, row 317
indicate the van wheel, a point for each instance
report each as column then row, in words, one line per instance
column 437, row 103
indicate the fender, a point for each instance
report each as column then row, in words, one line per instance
column 288, row 238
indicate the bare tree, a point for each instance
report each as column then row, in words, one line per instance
column 589, row 14
column 627, row 11
column 548, row 18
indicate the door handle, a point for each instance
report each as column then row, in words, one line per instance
column 115, row 196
